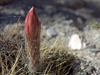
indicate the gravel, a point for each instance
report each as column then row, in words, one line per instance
column 63, row 22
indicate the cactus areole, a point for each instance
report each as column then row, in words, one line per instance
column 32, row 31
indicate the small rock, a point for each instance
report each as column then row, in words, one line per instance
column 15, row 11
column 74, row 28
column 62, row 34
column 98, row 71
column 51, row 33
column 78, row 73
column 76, row 43
column 60, row 19
column 70, row 21
column 50, row 9
column 22, row 12
column 22, row 33
column 66, row 22
column 89, row 69
column 79, row 20
column 98, row 54
column 84, row 73
column 82, row 67
column 77, row 62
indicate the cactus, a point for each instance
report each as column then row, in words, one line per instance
column 32, row 31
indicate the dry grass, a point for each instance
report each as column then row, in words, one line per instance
column 54, row 57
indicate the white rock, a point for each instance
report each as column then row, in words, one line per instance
column 51, row 33
column 76, row 43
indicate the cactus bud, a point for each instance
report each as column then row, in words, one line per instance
column 32, row 31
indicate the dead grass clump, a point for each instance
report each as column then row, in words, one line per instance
column 10, row 45
column 54, row 57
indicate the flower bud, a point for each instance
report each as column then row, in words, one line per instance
column 32, row 31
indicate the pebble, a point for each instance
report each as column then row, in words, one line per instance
column 79, row 20
column 50, row 9
column 22, row 12
column 98, row 71
column 84, row 73
column 22, row 33
column 62, row 34
column 67, row 22
column 89, row 69
column 51, row 33
column 82, row 67
column 76, row 62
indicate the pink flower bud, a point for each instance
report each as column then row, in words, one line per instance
column 32, row 31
